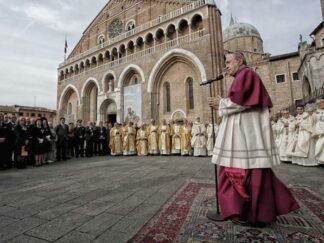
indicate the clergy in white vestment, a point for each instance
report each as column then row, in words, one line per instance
column 129, row 139
column 165, row 140
column 210, row 139
column 176, row 138
column 275, row 128
column 303, row 152
column 319, row 132
column 153, row 138
column 199, row 140
column 245, row 151
column 285, row 137
column 142, row 141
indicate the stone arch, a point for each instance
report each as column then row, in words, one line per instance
column 129, row 68
column 149, row 38
column 100, row 58
column 182, row 53
column 171, row 31
column 159, row 35
column 89, row 80
column 182, row 20
column 108, row 110
column 90, row 91
column 177, row 114
column 130, row 25
column 140, row 42
column 68, row 103
column 183, row 26
column 196, row 21
column 104, row 79
column 64, row 93
column 173, row 67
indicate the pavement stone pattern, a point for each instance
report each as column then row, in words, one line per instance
column 104, row 199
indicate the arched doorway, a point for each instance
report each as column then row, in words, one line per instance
column 90, row 100
column 108, row 111
column 69, row 102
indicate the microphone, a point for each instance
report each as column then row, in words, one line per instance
column 220, row 77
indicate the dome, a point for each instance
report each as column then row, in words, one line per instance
column 236, row 30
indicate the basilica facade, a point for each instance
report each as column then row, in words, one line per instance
column 146, row 58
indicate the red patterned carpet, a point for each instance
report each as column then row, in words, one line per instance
column 183, row 219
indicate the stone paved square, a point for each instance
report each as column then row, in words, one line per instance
column 104, row 199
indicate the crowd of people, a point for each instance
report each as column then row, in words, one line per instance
column 26, row 141
column 300, row 138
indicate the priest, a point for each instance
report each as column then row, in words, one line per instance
column 245, row 150
column 115, row 142
column 164, row 141
column 176, row 138
column 303, row 150
column 185, row 139
column 129, row 147
column 142, row 141
column 286, row 129
column 319, row 132
column 199, row 140
column 153, row 138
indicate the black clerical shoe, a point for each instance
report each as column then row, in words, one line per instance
column 238, row 221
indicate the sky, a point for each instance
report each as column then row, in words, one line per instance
column 33, row 35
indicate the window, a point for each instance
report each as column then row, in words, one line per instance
column 281, row 78
column 167, row 98
column 130, row 25
column 295, row 76
column 33, row 114
column 323, row 42
column 299, row 102
column 190, row 94
column 69, row 110
column 101, row 41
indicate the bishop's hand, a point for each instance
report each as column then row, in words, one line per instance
column 214, row 102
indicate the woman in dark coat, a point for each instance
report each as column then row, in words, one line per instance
column 48, row 139
column 41, row 142
column 21, row 143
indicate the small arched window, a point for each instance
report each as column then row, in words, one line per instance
column 130, row 25
column 190, row 94
column 101, row 41
column 167, row 98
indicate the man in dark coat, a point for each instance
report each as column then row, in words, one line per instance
column 79, row 134
column 103, row 141
column 62, row 131
column 89, row 137
column 6, row 136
